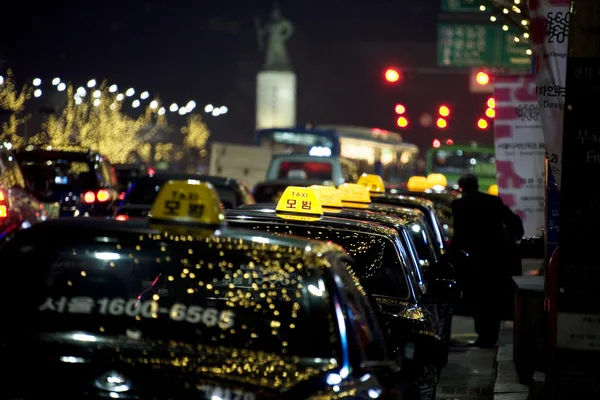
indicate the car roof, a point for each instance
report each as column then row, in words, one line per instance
column 266, row 212
column 243, row 240
column 180, row 176
column 400, row 199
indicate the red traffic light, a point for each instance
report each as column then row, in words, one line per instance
column 436, row 143
column 441, row 123
column 402, row 122
column 482, row 78
column 444, row 111
column 400, row 109
column 449, row 142
column 482, row 123
column 392, row 75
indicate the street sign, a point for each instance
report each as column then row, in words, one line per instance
column 460, row 5
column 478, row 45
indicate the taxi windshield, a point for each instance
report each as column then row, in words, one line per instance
column 169, row 291
column 145, row 190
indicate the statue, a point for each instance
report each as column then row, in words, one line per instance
column 278, row 30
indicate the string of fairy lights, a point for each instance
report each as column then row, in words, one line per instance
column 92, row 88
column 509, row 10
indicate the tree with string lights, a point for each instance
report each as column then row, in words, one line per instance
column 12, row 102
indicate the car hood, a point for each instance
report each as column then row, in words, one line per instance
column 82, row 365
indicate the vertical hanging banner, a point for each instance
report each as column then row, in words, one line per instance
column 519, row 144
column 549, row 35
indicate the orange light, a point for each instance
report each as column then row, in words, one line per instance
column 482, row 123
column 441, row 123
column 2, row 198
column 3, row 213
column 89, row 197
column 103, row 196
column 490, row 112
column 449, row 142
column 122, row 218
column 391, row 75
column 444, row 111
column 402, row 122
column 400, row 109
column 436, row 143
column 491, row 103
column 482, row 78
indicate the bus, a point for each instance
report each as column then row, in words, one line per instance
column 456, row 160
column 371, row 150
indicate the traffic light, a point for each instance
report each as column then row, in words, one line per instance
column 402, row 122
column 449, row 142
column 436, row 143
column 441, row 123
column 480, row 81
column 400, row 109
column 491, row 103
column 490, row 113
column 482, row 123
column 392, row 75
column 444, row 111
column 482, row 77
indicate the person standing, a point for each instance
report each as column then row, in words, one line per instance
column 483, row 227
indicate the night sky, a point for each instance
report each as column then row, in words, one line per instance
column 207, row 51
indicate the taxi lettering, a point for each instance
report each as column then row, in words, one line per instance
column 300, row 194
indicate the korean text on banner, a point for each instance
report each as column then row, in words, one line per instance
column 550, row 34
column 519, row 144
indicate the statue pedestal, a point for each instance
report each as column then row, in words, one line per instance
column 275, row 99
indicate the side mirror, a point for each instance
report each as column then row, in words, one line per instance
column 425, row 350
column 442, row 291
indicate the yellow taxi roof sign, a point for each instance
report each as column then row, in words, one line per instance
column 493, row 190
column 434, row 180
column 189, row 201
column 417, row 184
column 299, row 203
column 372, row 182
column 355, row 195
column 329, row 197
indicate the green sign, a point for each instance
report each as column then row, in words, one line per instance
column 461, row 5
column 471, row 45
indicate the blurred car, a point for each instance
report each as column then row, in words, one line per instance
column 70, row 183
column 129, row 173
column 141, row 195
column 180, row 306
column 271, row 191
column 19, row 209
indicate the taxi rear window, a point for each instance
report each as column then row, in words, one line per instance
column 173, row 292
column 377, row 263
column 145, row 190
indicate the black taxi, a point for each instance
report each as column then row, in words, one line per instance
column 182, row 306
column 381, row 267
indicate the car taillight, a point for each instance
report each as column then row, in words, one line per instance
column 102, row 196
column 122, row 218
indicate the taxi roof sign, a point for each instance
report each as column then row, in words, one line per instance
column 493, row 190
column 372, row 182
column 189, row 201
column 417, row 184
column 299, row 203
column 434, row 180
column 329, row 197
column 355, row 195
